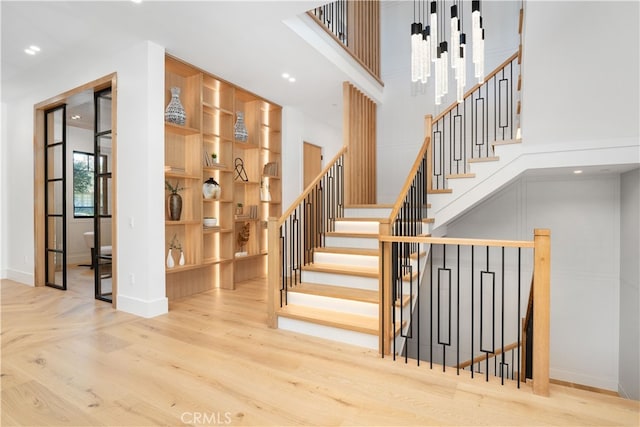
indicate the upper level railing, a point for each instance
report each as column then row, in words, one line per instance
column 467, row 130
column 294, row 236
column 355, row 25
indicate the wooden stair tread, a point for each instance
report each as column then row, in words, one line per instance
column 351, row 234
column 405, row 300
column 342, row 269
column 506, row 142
column 360, row 219
column 428, row 220
column 484, row 159
column 376, row 206
column 348, row 251
column 461, row 175
column 353, row 322
column 331, row 291
column 440, row 191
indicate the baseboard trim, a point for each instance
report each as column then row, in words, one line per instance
column 143, row 308
column 20, row 276
column 584, row 387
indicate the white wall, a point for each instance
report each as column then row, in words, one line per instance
column 629, row 361
column 401, row 116
column 139, row 168
column 583, row 214
column 297, row 129
column 578, row 58
column 3, row 179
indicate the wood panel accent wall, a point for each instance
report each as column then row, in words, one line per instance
column 364, row 33
column 359, row 135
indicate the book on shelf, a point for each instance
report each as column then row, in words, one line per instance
column 270, row 169
column 208, row 160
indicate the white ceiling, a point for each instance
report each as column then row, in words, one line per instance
column 245, row 42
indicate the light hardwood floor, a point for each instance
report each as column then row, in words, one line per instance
column 70, row 360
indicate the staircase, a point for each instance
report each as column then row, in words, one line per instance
column 338, row 294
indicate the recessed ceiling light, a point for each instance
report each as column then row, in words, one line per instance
column 137, row 1
column 292, row 79
column 75, row 117
column 285, row 75
column 32, row 50
column 577, row 172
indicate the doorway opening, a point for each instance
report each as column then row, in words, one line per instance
column 75, row 221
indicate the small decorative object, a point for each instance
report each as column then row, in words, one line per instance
column 175, row 111
column 175, row 201
column 214, row 158
column 240, row 171
column 174, row 244
column 239, row 209
column 265, row 194
column 243, row 236
column 170, row 262
column 210, row 222
column 240, row 130
column 211, row 189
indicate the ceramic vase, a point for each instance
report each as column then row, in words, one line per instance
column 211, row 189
column 240, row 129
column 181, row 262
column 170, row 262
column 175, row 206
column 175, row 111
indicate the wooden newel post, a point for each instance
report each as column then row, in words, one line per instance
column 541, row 310
column 384, row 294
column 273, row 272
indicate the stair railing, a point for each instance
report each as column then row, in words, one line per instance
column 355, row 25
column 468, row 130
column 294, row 236
column 471, row 301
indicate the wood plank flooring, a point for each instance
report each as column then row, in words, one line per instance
column 70, row 360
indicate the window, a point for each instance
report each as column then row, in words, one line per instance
column 82, row 184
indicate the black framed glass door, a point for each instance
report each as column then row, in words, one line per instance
column 103, row 192
column 55, row 200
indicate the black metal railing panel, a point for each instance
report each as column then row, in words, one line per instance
column 334, row 16
column 305, row 228
column 467, row 306
column 468, row 129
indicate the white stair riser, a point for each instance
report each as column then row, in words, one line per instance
column 346, row 259
column 358, row 282
column 367, row 212
column 351, row 242
column 357, row 226
column 330, row 333
column 333, row 304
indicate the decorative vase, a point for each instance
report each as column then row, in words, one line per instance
column 211, row 189
column 181, row 262
column 240, row 130
column 170, row 262
column 175, row 206
column 175, row 111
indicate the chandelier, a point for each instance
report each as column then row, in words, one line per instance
column 429, row 45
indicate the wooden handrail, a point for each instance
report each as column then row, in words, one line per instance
column 496, row 352
column 474, row 88
column 458, row 241
column 311, row 186
column 414, row 169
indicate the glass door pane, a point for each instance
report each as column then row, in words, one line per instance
column 103, row 192
column 55, row 198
